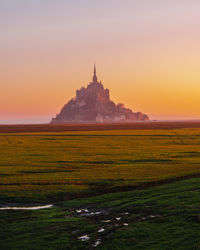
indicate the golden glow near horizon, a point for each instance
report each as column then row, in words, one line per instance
column 147, row 54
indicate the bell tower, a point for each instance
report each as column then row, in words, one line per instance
column 95, row 76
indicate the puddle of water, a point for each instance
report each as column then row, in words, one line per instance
column 98, row 242
column 106, row 221
column 87, row 214
column 152, row 216
column 26, row 208
column 101, row 230
column 84, row 238
column 99, row 212
column 82, row 210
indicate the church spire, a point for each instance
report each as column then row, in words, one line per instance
column 94, row 70
column 94, row 77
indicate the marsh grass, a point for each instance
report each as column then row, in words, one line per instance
column 41, row 166
column 162, row 217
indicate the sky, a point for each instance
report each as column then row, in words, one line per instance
column 147, row 52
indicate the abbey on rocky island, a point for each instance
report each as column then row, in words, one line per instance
column 93, row 105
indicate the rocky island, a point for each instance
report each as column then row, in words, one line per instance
column 93, row 105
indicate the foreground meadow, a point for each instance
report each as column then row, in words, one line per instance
column 58, row 166
column 162, row 217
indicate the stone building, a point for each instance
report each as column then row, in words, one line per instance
column 92, row 104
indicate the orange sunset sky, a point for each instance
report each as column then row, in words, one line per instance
column 147, row 53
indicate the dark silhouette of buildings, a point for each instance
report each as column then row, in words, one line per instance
column 92, row 104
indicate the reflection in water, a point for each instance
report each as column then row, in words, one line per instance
column 26, row 208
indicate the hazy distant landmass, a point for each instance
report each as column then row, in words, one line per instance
column 93, row 104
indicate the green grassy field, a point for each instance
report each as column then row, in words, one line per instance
column 89, row 170
column 55, row 166
column 163, row 217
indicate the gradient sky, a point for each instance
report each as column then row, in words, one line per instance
column 147, row 53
